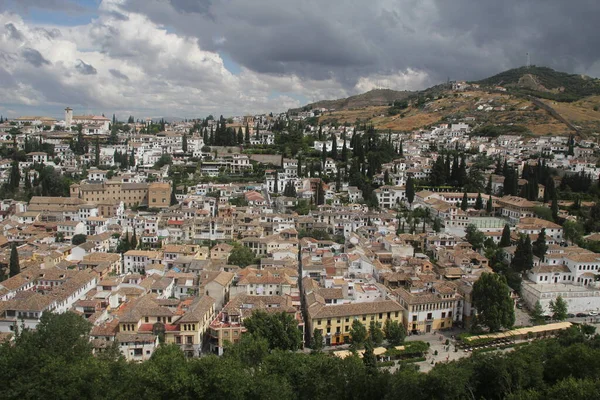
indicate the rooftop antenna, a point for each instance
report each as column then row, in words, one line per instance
column 528, row 60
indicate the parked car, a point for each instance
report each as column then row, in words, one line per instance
column 570, row 315
column 592, row 313
column 581, row 315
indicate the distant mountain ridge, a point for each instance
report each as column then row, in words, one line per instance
column 536, row 81
column 375, row 97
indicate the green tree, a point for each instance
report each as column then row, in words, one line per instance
column 394, row 332
column 410, row 190
column 488, row 187
column 537, row 314
column 14, row 265
column 358, row 335
column 559, row 309
column 97, row 152
column 316, row 342
column 124, row 244
column 522, row 260
column 489, row 206
column 464, row 204
column 15, row 175
column 134, row 241
column 241, row 256
column 505, row 239
column 573, row 230
column 539, row 247
column 290, row 189
column 173, row 197
column 279, row 329
column 479, row 202
column 554, row 207
column 475, row 237
column 184, row 143
column 78, row 239
column 375, row 333
column 491, row 298
column 369, row 358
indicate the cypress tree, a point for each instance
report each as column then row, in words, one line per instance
column 334, row 151
column 479, row 202
column 14, row 266
column 462, row 172
column 184, row 142
column 97, row 151
column 15, row 175
column 134, row 241
column 554, row 207
column 464, row 204
column 540, row 247
column 488, row 188
column 410, row 190
column 505, row 240
column 240, row 136
column 489, row 205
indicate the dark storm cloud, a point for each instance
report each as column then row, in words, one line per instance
column 59, row 5
column 191, row 6
column 118, row 74
column 461, row 39
column 13, row 32
column 34, row 57
column 6, row 79
column 85, row 69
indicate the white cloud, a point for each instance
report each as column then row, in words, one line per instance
column 122, row 62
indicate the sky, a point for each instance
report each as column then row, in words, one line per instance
column 191, row 58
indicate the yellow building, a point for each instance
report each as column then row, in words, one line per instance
column 155, row 195
column 159, row 195
column 335, row 320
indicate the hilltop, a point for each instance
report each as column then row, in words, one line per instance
column 537, row 100
column 545, row 83
column 375, row 97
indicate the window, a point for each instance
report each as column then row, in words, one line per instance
column 145, row 319
column 414, row 318
column 137, row 352
column 443, row 315
column 189, row 340
column 429, row 316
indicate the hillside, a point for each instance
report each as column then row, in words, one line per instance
column 545, row 83
column 375, row 97
column 486, row 108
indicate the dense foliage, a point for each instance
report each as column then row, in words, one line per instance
column 56, row 362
